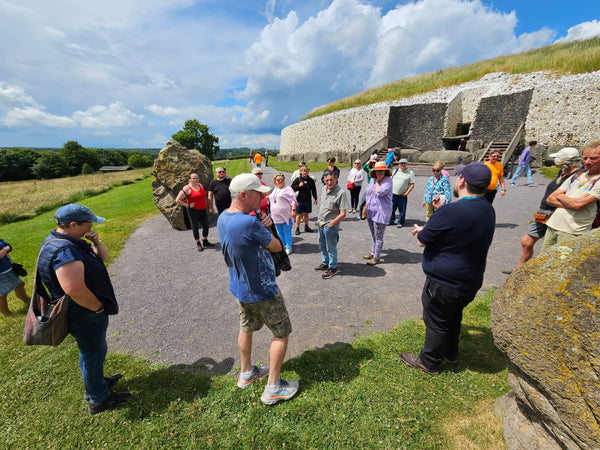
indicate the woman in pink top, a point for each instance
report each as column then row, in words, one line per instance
column 282, row 200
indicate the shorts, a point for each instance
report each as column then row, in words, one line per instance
column 537, row 230
column 271, row 312
column 8, row 282
column 304, row 207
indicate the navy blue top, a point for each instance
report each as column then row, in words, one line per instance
column 59, row 252
column 251, row 271
column 457, row 239
column 5, row 263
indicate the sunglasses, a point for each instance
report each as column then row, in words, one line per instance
column 436, row 170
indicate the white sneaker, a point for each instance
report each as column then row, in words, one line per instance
column 288, row 250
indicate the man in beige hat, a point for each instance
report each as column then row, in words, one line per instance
column 245, row 243
column 575, row 201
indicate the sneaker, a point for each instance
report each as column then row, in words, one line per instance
column 297, row 231
column 284, row 390
column 330, row 273
column 205, row 243
column 415, row 362
column 200, row 248
column 307, row 229
column 373, row 262
column 513, row 184
column 369, row 256
column 400, row 226
column 531, row 184
column 391, row 223
column 288, row 250
column 110, row 380
column 322, row 267
column 257, row 373
column 115, row 399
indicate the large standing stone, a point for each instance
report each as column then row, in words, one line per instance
column 172, row 169
column 545, row 318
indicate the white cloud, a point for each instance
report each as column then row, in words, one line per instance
column 527, row 41
column 114, row 115
column 32, row 116
column 585, row 30
column 11, row 95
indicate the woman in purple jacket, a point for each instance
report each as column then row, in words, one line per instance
column 379, row 208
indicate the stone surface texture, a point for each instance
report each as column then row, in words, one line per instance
column 545, row 319
column 172, row 169
column 557, row 111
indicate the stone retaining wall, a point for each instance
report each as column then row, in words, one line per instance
column 558, row 112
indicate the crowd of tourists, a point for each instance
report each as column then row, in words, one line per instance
column 256, row 221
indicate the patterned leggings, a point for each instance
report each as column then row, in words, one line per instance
column 377, row 229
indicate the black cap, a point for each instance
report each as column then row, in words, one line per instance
column 475, row 174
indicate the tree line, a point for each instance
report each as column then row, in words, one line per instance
column 72, row 159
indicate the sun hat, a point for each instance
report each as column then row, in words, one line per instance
column 380, row 165
column 76, row 213
column 566, row 153
column 475, row 174
column 247, row 182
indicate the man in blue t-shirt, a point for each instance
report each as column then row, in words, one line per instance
column 246, row 243
column 454, row 262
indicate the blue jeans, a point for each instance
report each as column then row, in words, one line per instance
column 328, row 239
column 398, row 201
column 520, row 169
column 89, row 330
column 284, row 230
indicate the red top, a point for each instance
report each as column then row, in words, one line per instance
column 197, row 197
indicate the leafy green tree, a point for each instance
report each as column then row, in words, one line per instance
column 87, row 169
column 112, row 157
column 50, row 165
column 138, row 160
column 76, row 156
column 15, row 163
column 196, row 135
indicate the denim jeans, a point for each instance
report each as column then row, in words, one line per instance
column 89, row 330
column 520, row 169
column 328, row 238
column 398, row 201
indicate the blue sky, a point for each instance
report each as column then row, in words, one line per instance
column 125, row 74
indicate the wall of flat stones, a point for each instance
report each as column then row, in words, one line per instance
column 498, row 117
column 566, row 111
column 420, row 125
column 558, row 112
column 334, row 134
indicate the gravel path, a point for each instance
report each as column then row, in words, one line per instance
column 176, row 307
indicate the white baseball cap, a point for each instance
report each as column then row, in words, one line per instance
column 247, row 182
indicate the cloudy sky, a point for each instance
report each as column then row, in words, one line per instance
column 129, row 73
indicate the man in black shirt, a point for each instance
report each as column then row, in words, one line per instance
column 454, row 262
column 218, row 189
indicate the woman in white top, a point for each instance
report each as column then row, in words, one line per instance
column 355, row 179
column 282, row 200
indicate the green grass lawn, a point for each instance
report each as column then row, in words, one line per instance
column 357, row 394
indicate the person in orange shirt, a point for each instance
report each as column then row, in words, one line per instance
column 497, row 177
column 258, row 159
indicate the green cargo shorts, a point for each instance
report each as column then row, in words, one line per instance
column 271, row 312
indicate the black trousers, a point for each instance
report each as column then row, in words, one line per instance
column 442, row 314
column 197, row 217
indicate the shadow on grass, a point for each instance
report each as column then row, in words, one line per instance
column 156, row 391
column 339, row 361
column 478, row 352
